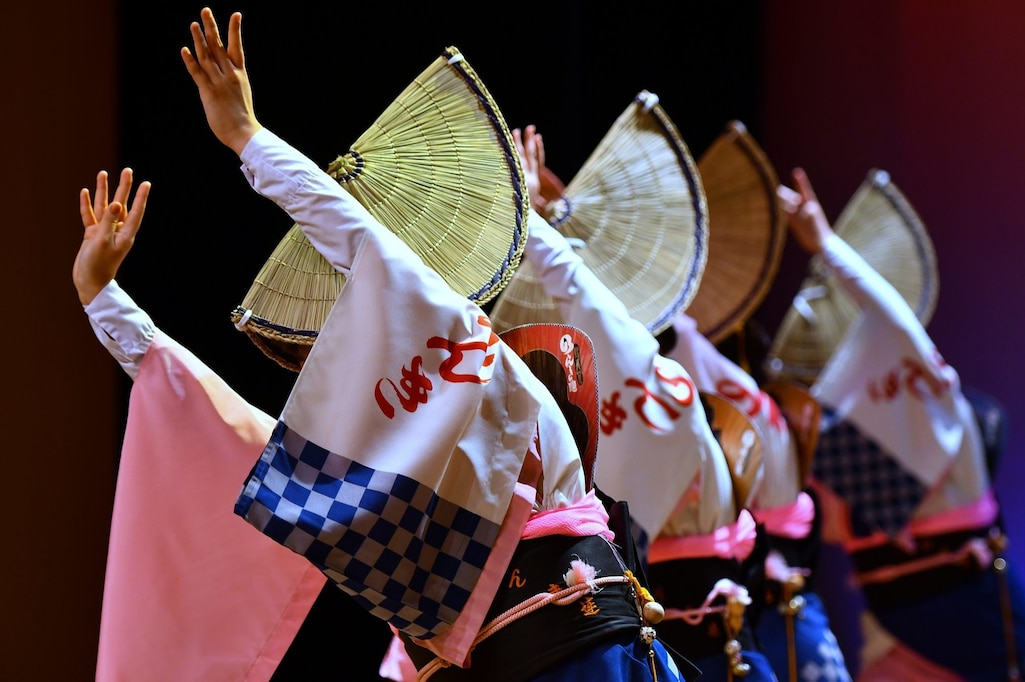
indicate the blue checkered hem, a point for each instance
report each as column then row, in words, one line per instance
column 402, row 552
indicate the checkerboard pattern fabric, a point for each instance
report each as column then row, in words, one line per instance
column 405, row 554
column 880, row 493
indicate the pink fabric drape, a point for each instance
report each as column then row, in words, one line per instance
column 192, row 592
column 734, row 541
column 793, row 520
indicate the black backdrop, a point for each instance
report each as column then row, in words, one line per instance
column 321, row 73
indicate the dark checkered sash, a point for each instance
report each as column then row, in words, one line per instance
column 880, row 493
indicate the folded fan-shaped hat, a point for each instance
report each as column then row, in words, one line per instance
column 742, row 443
column 438, row 168
column 746, row 233
column 881, row 225
column 638, row 208
column 803, row 414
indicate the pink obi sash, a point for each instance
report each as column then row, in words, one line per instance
column 735, row 541
column 978, row 514
column 792, row 520
column 586, row 517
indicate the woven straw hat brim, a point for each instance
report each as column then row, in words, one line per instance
column 638, row 206
column 746, row 233
column 438, row 168
column 881, row 225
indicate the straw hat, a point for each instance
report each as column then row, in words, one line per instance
column 741, row 442
column 803, row 414
column 548, row 350
column 438, row 168
column 638, row 208
column 880, row 224
column 746, row 233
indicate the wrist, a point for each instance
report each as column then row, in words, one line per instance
column 86, row 296
column 240, row 136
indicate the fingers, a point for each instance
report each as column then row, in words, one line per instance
column 133, row 220
column 112, row 216
column 85, row 208
column 207, row 50
column 213, row 35
column 530, row 145
column 200, row 53
column 124, row 187
column 788, row 198
column 235, row 53
column 214, row 46
column 100, row 198
column 803, row 184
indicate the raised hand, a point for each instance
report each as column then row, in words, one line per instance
column 530, row 146
column 805, row 216
column 220, row 74
column 110, row 230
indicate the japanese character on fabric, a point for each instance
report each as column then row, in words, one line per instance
column 715, row 373
column 655, row 442
column 394, row 462
column 888, row 377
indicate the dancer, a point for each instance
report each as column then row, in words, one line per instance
column 793, row 628
column 922, row 524
column 701, row 544
column 480, row 458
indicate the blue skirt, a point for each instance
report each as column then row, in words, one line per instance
column 818, row 654
column 961, row 628
column 626, row 660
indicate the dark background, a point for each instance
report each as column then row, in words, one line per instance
column 930, row 92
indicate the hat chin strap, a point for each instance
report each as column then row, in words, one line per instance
column 801, row 302
column 240, row 325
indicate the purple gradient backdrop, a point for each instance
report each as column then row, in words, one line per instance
column 932, row 93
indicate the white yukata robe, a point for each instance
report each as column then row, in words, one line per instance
column 656, row 449
column 779, row 483
column 888, row 381
column 394, row 465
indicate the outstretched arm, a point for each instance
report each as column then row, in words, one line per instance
column 220, row 74
column 110, row 230
column 813, row 232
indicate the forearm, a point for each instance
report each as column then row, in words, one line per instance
column 123, row 328
column 331, row 218
column 867, row 287
column 587, row 303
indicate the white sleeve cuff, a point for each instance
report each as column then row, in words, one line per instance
column 123, row 328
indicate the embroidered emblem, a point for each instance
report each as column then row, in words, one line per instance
column 515, row 580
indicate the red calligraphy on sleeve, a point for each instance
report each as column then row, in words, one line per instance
column 680, row 386
column 915, row 378
column 411, row 392
column 612, row 415
column 457, row 349
column 680, row 389
column 752, row 403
